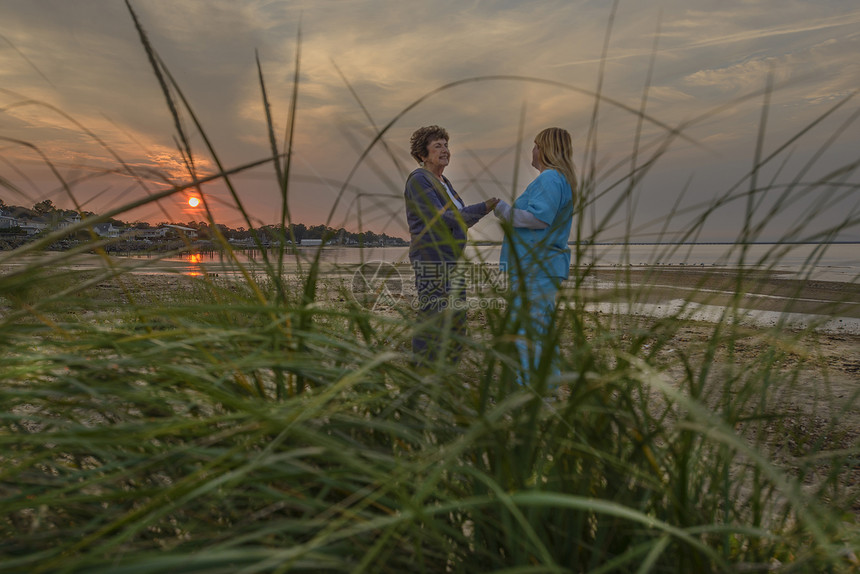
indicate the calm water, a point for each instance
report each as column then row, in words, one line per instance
column 835, row 262
column 839, row 262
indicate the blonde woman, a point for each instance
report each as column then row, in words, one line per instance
column 535, row 251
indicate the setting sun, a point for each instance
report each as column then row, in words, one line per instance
column 193, row 202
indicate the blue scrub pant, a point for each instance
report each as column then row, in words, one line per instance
column 533, row 309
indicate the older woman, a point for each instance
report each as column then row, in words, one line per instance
column 438, row 220
column 535, row 251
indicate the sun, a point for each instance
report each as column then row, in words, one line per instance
column 193, row 202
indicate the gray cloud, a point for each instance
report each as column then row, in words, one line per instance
column 84, row 57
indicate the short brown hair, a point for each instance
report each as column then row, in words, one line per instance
column 422, row 137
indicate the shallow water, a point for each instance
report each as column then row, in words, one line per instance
column 834, row 262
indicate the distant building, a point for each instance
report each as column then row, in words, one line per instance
column 106, row 230
column 187, row 232
column 165, row 231
column 31, row 224
column 34, row 225
column 151, row 233
column 8, row 222
column 310, row 242
column 68, row 221
column 246, row 242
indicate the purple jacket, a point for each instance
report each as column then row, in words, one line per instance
column 437, row 228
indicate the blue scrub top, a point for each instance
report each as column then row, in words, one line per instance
column 542, row 252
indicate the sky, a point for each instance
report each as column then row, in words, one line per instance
column 694, row 94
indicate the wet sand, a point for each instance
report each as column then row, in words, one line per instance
column 751, row 289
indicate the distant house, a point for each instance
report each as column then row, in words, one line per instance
column 165, row 231
column 8, row 222
column 68, row 221
column 106, row 230
column 34, row 225
column 246, row 242
column 151, row 233
column 310, row 242
column 187, row 232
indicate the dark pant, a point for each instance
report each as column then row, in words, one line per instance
column 441, row 311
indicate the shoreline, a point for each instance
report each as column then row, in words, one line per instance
column 761, row 297
column 756, row 297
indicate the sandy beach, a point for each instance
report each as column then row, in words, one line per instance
column 763, row 298
column 760, row 289
column 820, row 320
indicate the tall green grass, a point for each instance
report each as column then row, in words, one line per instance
column 272, row 424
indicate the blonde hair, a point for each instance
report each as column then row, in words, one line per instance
column 555, row 148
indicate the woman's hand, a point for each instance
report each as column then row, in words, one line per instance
column 491, row 203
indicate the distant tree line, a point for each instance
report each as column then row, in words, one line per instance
column 266, row 234
column 299, row 231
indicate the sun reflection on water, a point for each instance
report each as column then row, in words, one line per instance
column 195, row 260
